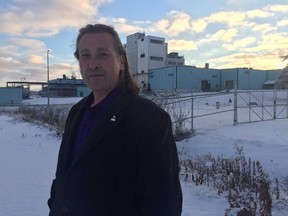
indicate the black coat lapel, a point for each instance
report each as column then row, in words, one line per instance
column 113, row 117
column 71, row 133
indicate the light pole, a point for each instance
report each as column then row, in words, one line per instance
column 48, row 93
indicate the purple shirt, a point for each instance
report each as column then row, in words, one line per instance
column 91, row 117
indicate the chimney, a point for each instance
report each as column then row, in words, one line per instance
column 207, row 65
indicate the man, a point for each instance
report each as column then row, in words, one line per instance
column 118, row 156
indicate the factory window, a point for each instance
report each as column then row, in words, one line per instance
column 142, row 55
column 156, row 41
column 156, row 58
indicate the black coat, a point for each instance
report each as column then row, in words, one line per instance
column 128, row 165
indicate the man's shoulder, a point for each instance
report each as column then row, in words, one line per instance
column 144, row 106
column 84, row 101
column 138, row 100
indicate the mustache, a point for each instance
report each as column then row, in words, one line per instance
column 95, row 72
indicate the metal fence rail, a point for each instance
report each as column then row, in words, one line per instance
column 234, row 107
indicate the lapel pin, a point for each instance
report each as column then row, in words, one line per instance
column 113, row 118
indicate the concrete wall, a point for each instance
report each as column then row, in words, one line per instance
column 150, row 54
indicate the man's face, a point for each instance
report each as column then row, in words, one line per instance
column 100, row 65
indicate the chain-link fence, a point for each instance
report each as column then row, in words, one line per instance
column 196, row 111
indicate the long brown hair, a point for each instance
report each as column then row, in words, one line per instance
column 126, row 81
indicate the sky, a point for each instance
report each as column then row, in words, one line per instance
column 223, row 33
column 25, row 182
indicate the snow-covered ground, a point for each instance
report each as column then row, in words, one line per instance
column 29, row 153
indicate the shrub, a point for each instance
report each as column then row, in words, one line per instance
column 53, row 116
column 244, row 180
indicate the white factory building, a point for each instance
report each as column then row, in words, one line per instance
column 149, row 52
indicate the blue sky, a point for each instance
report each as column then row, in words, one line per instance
column 223, row 33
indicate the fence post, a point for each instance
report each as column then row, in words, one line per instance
column 262, row 106
column 249, row 104
column 192, row 113
column 274, row 103
column 235, row 105
column 287, row 104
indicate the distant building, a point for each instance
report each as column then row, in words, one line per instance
column 21, row 84
column 208, row 79
column 173, row 59
column 148, row 52
column 10, row 96
column 132, row 51
column 65, row 87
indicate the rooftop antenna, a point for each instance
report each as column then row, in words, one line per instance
column 73, row 75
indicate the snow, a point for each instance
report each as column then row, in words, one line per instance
column 29, row 153
column 265, row 141
column 27, row 165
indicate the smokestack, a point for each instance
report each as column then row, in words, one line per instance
column 207, row 65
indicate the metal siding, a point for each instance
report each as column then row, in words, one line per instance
column 251, row 79
column 273, row 74
column 188, row 77
column 227, row 75
column 162, row 78
column 10, row 96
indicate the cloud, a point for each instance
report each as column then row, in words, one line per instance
column 21, row 57
column 220, row 36
column 23, row 21
column 32, row 44
column 199, row 25
column 180, row 45
column 264, row 28
column 240, row 43
column 7, row 61
column 270, row 42
column 258, row 14
column 277, row 8
column 269, row 60
column 46, row 18
column 236, row 1
column 231, row 18
column 178, row 22
column 23, row 49
column 35, row 59
column 250, row 34
column 121, row 25
column 282, row 23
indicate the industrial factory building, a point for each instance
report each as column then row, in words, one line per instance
column 65, row 87
column 207, row 79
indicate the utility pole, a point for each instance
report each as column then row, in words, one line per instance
column 48, row 90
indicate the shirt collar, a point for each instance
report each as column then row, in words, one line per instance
column 105, row 102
